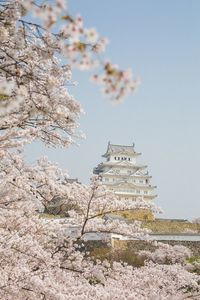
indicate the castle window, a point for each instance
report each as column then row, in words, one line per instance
column 118, row 158
column 141, row 181
column 138, row 191
column 145, row 192
column 115, row 157
column 129, row 159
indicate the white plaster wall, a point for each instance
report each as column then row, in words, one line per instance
column 112, row 158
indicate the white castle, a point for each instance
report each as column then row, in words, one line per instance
column 123, row 175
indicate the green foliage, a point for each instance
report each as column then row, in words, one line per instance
column 193, row 259
column 3, row 97
column 128, row 256
column 49, row 216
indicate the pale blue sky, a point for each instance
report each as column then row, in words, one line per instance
column 160, row 41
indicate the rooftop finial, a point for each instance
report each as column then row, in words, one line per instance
column 133, row 145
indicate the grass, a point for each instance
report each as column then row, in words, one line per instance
column 171, row 226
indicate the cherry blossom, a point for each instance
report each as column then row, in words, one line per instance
column 115, row 82
column 40, row 257
column 196, row 220
column 167, row 254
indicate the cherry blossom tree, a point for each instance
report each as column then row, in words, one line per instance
column 34, row 80
column 41, row 258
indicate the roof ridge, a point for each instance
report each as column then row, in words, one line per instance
column 121, row 145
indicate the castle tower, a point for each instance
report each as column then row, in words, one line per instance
column 125, row 177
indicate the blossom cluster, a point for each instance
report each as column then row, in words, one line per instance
column 115, row 83
column 167, row 254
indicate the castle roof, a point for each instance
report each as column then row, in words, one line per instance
column 132, row 185
column 111, row 149
column 122, row 164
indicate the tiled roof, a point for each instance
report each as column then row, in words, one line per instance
column 120, row 149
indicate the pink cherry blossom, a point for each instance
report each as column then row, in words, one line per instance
column 46, row 258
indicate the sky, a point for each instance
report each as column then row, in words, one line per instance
column 160, row 42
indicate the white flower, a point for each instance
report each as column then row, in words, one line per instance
column 91, row 35
column 4, row 35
